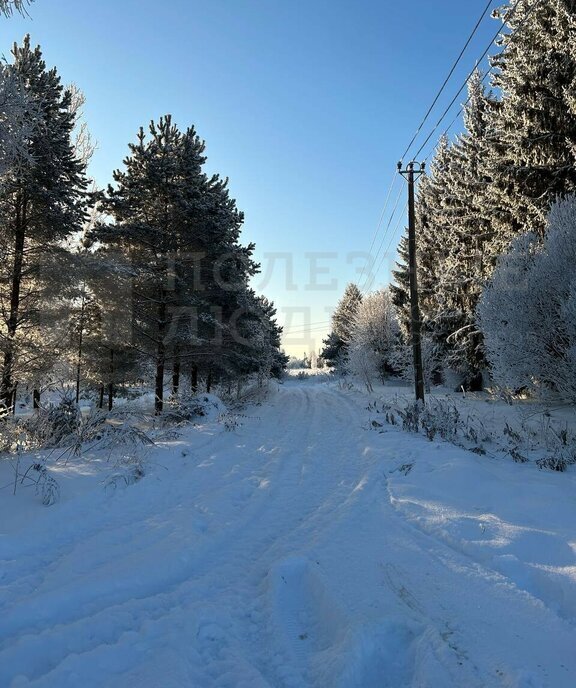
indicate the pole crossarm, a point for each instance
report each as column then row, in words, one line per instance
column 416, row 168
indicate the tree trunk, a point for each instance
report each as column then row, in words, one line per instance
column 79, row 358
column 101, row 400
column 176, row 373
column 209, row 382
column 111, row 382
column 160, row 358
column 36, row 398
column 194, row 379
column 7, row 384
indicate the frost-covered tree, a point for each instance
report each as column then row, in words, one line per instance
column 364, row 363
column 19, row 116
column 8, row 7
column 466, row 236
column 84, row 144
column 533, row 128
column 400, row 286
column 496, row 181
column 345, row 312
column 42, row 203
column 403, row 361
column 433, row 230
column 453, row 230
column 527, row 311
column 376, row 332
column 335, row 345
column 99, row 349
column 504, row 314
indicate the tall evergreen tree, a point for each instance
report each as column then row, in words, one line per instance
column 42, row 203
column 343, row 318
column 8, row 7
column 146, row 204
column 533, row 128
column 400, row 287
column 179, row 231
column 467, row 240
column 432, row 250
column 345, row 312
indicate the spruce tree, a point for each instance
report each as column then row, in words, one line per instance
column 533, row 128
column 345, row 312
column 432, row 231
column 335, row 345
column 400, row 287
column 467, row 242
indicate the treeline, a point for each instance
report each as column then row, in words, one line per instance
column 482, row 218
column 141, row 283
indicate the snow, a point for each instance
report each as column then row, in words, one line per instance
column 297, row 550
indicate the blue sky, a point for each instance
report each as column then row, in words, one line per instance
column 305, row 105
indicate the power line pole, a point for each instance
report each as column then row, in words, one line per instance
column 411, row 174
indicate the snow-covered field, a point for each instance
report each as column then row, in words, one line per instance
column 295, row 549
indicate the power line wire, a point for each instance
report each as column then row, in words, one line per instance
column 506, row 18
column 384, row 207
column 439, row 93
column 460, row 111
column 447, row 79
column 308, row 330
column 382, row 214
column 393, row 213
column 402, row 216
column 458, row 114
column 317, row 322
column 493, row 40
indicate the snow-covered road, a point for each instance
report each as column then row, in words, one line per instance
column 299, row 550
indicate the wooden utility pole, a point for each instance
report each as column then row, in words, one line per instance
column 411, row 174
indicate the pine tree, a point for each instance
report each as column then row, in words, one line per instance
column 179, row 231
column 19, row 117
column 227, row 267
column 42, row 203
column 273, row 361
column 8, row 7
column 146, row 204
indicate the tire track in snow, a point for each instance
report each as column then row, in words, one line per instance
column 273, row 593
column 300, row 411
